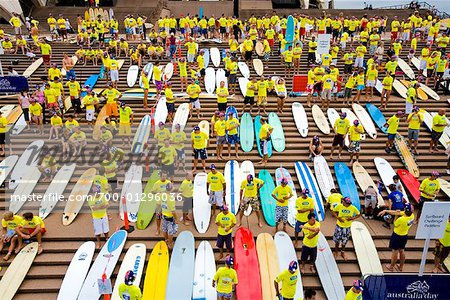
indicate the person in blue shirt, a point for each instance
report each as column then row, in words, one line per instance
column 396, row 201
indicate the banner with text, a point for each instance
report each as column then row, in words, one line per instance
column 13, row 84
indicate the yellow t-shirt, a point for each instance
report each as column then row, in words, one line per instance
column 199, row 140
column 12, row 224
column 227, row 220
column 220, row 127
column 415, row 120
column 167, row 155
column 178, row 139
column 355, row 135
column 342, row 126
column 280, row 192
column 222, row 91
column 250, row 89
column 232, row 126
column 387, row 83
column 264, row 131
column 403, row 224
column 225, row 278
column 187, row 188
column 35, row 109
column 300, row 204
column 346, row 212
column 310, row 242
column 168, row 205
column 215, row 181
column 98, row 200
column 445, row 240
column 288, row 283
column 429, row 187
column 125, row 115
column 111, row 95
column 74, row 88
column 353, row 296
column 33, row 223
column 56, row 121
column 251, row 189
column 439, row 120
column 393, row 123
column 3, row 124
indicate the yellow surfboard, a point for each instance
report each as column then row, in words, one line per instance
column 268, row 264
column 87, row 16
column 420, row 93
column 156, row 273
column 406, row 155
column 14, row 115
column 100, row 119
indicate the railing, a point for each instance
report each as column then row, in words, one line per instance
column 419, row 5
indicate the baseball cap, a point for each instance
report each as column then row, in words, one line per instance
column 222, row 115
column 435, row 174
column 358, row 285
column 399, row 112
column 284, row 181
column 347, row 200
column 343, row 114
column 229, row 260
column 408, row 207
column 217, row 112
column 177, row 125
column 250, row 177
column 161, row 124
column 212, row 167
column 293, row 265
column 129, row 277
column 225, row 207
column 356, row 122
column 196, row 128
column 305, row 192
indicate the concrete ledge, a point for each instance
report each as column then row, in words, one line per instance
column 216, row 8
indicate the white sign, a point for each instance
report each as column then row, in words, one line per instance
column 323, row 45
column 433, row 220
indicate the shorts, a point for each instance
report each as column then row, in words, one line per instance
column 222, row 106
column 408, row 107
column 422, row 200
column 430, row 72
column 190, row 58
column 101, row 226
column 308, row 254
column 159, row 85
column 360, row 87
column 195, row 103
column 233, row 139
column 223, row 29
column 221, row 140
column 216, row 198
column 336, row 33
column 338, row 140
column 224, row 240
column 180, row 154
column 232, row 78
column 398, row 242
column 348, row 69
column 310, row 88
column 281, row 213
column 200, row 153
column 250, row 201
column 226, row 296
column 391, row 136
column 413, row 134
column 53, row 105
column 341, row 235
column 354, row 147
column 288, row 65
column 298, row 225
column 46, row 59
column 187, row 204
column 124, row 129
column 262, row 100
column 326, row 94
column 114, row 75
column 169, row 226
column 10, row 233
column 2, row 138
column 359, row 61
column 423, row 64
column 370, row 201
column 435, row 136
column 264, row 145
column 169, row 169
column 248, row 55
column 17, row 30
column 170, row 107
column 111, row 109
column 370, row 83
column 249, row 100
column 442, row 252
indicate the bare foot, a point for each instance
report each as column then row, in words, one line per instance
column 343, row 255
column 260, row 225
column 6, row 257
column 389, row 267
column 220, row 256
column 335, row 254
column 40, row 250
column 99, row 245
column 157, row 232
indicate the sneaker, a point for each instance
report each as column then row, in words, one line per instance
column 387, row 150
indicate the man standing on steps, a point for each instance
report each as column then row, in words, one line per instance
column 216, row 188
column 354, row 136
column 344, row 213
column 264, row 139
column 304, row 205
column 288, row 279
column 249, row 197
column 225, row 222
column 392, row 128
column 340, row 127
column 282, row 194
column 200, row 141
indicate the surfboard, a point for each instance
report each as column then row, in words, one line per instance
column 278, row 139
column 243, row 68
column 76, row 272
column 307, row 181
column 204, row 127
column 246, row 169
column 320, row 119
column 403, row 65
column 24, row 189
column 246, row 134
column 267, row 202
column 104, row 263
column 246, row 265
column 445, row 186
column 14, row 115
column 445, row 138
column 386, row 173
column 17, row 270
column 33, row 67
column 258, row 66
column 92, row 14
column 416, row 63
column 257, row 125
column 406, row 156
column 168, row 71
column 149, row 69
column 55, row 190
column 300, row 118
column 429, row 91
column 181, row 116
column 366, row 252
column 215, row 56
column 132, row 191
column 259, row 48
column 333, row 115
column 132, row 75
column 324, row 178
column 411, row 183
column 134, row 260
column 87, row 17
column 377, row 116
column 181, row 271
column 365, row 120
column 106, row 15
column 364, row 181
column 77, row 196
column 346, row 183
column 7, row 109
column 156, row 273
column 232, row 177
column 379, row 86
column 210, row 80
column 400, row 89
column 96, row 132
column 205, row 269
column 286, row 253
column 6, row 166
column 200, row 14
column 20, row 125
column 89, row 83
column 328, row 271
column 243, row 85
column 206, row 57
column 147, row 206
column 290, row 31
column 201, row 209
column 141, row 135
column 268, row 264
column 281, row 173
column 161, row 111
column 29, row 158
column 420, row 93
column 220, row 76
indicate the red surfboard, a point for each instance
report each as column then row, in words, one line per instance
column 247, row 266
column 411, row 183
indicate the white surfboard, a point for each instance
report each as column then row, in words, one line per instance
column 134, row 260
column 7, row 109
column 201, row 209
column 181, row 116
column 29, row 158
column 210, row 80
column 258, row 66
column 243, row 85
column 215, row 56
column 168, row 71
column 76, row 272
column 132, row 75
column 307, row 181
column 24, row 189
column 233, row 179
column 20, row 125
column 300, row 118
column 365, row 119
column 400, row 89
column 33, row 67
column 333, row 115
column 141, row 135
column 281, row 173
column 286, row 253
column 247, row 168
column 161, row 111
column 132, row 191
column 220, row 76
column 104, row 263
column 428, row 121
column 55, row 190
column 206, row 56
column 386, row 173
column 379, row 86
column 366, row 252
column 403, row 65
column 205, row 269
column 430, row 92
column 364, row 181
column 149, row 69
column 323, row 175
column 320, row 119
column 6, row 167
column 181, row 269
column 416, row 63
column 243, row 68
column 328, row 271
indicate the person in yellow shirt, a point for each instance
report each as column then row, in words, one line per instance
column 288, row 57
column 78, row 140
column 415, row 119
column 264, row 140
column 222, row 94
column 182, row 67
column 355, row 292
column 262, row 94
column 30, row 227
column 56, row 126
column 10, row 222
column 304, row 205
column 187, row 191
column 74, row 94
column 310, row 231
column 225, row 280
column 327, row 86
column 98, row 203
column 312, row 47
column 296, row 53
column 232, row 126
column 249, row 197
column 402, row 223
column 442, row 249
column 193, row 90
column 288, row 279
column 354, row 137
column 35, row 110
column 167, row 157
column 392, row 127
column 112, row 96
column 16, row 23
column 344, row 213
column 282, row 194
column 439, row 124
column 429, row 188
column 216, row 187
column 200, row 141
column 387, row 90
column 371, row 79
column 220, row 128
column 340, row 128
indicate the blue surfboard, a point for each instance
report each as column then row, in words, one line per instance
column 91, row 81
column 116, row 240
column 377, row 116
column 347, row 183
column 257, row 124
column 101, row 74
column 268, row 204
column 290, row 31
column 308, row 181
column 200, row 12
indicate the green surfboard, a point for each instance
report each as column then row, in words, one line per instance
column 267, row 202
column 257, row 125
column 278, row 140
column 246, row 132
column 147, row 207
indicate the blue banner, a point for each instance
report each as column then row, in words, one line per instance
column 406, row 287
column 13, row 84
